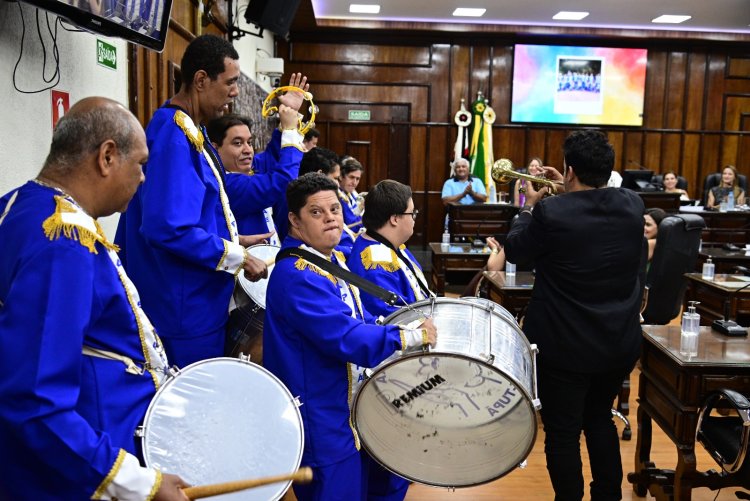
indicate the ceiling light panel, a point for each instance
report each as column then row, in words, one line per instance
column 567, row 15
column 364, row 8
column 671, row 19
column 469, row 12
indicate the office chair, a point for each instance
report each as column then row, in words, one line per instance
column 675, row 254
column 714, row 179
column 658, row 180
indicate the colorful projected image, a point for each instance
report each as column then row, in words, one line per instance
column 578, row 85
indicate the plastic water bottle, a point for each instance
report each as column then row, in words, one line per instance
column 510, row 269
column 492, row 198
column 691, row 322
column 730, row 200
column 709, row 268
column 446, row 241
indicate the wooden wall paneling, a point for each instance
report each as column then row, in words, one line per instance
column 695, row 81
column 502, row 81
column 553, row 150
column 632, row 154
column 671, row 152
column 710, row 160
column 675, row 90
column 652, row 150
column 536, row 140
column 459, row 80
column 738, row 67
column 480, row 74
column 438, row 80
column 656, row 77
column 510, row 142
column 714, row 92
column 616, row 139
column 691, row 169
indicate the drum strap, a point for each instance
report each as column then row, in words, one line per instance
column 337, row 271
column 130, row 366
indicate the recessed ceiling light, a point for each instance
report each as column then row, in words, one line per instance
column 668, row 18
column 364, row 8
column 468, row 12
column 567, row 15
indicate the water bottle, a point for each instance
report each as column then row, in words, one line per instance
column 510, row 269
column 446, row 241
column 492, row 199
column 691, row 322
column 730, row 200
column 708, row 270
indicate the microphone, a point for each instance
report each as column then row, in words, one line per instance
column 477, row 241
column 726, row 326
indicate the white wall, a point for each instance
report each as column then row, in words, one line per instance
column 251, row 48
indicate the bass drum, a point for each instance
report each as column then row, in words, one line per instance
column 463, row 413
column 221, row 420
column 245, row 326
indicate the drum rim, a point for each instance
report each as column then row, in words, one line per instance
column 528, row 401
column 170, row 381
column 242, row 282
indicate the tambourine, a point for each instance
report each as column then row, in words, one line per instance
column 269, row 110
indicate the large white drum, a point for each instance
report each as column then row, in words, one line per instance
column 221, row 420
column 461, row 414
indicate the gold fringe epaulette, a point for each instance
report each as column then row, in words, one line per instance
column 370, row 264
column 54, row 226
column 301, row 265
column 185, row 123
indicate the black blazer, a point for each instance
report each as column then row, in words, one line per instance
column 586, row 247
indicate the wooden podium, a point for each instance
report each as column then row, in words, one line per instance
column 467, row 222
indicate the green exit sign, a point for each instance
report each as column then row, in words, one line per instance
column 106, row 54
column 361, row 115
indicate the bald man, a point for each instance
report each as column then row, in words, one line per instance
column 79, row 359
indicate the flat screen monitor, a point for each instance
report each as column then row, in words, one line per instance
column 578, row 85
column 638, row 180
column 143, row 22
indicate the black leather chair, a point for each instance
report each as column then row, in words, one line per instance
column 714, row 179
column 658, row 180
column 675, row 254
column 725, row 436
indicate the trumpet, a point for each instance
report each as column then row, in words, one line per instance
column 503, row 172
column 269, row 109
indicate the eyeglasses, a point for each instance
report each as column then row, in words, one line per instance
column 412, row 214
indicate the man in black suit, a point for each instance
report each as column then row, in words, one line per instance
column 586, row 245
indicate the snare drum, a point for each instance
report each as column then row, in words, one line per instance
column 461, row 414
column 221, row 420
column 245, row 326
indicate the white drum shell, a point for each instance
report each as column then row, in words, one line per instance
column 222, row 420
column 464, row 413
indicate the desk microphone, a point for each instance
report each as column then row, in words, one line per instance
column 477, row 242
column 726, row 326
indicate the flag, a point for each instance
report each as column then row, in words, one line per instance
column 462, row 118
column 481, row 140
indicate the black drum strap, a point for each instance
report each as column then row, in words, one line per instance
column 375, row 290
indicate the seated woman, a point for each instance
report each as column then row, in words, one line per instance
column 519, row 187
column 670, row 185
column 651, row 220
column 729, row 183
column 463, row 187
column 496, row 262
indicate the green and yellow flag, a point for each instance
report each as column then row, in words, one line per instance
column 480, row 152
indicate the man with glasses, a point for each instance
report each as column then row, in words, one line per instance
column 380, row 254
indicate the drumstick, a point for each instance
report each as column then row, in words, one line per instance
column 352, row 225
column 270, row 261
column 302, row 476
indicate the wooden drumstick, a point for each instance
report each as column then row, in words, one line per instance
column 270, row 261
column 302, row 476
column 352, row 225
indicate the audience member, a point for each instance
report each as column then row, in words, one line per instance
column 495, row 262
column 651, row 220
column 310, row 140
column 351, row 203
column 670, row 186
column 463, row 188
column 729, row 184
column 521, row 186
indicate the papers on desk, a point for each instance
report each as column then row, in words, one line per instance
column 691, row 208
column 734, row 281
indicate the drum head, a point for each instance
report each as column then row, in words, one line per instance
column 456, row 416
column 257, row 290
column 222, row 420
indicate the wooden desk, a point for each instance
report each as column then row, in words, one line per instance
column 670, row 202
column 512, row 293
column 725, row 260
column 671, row 391
column 724, row 227
column 484, row 220
column 456, row 258
column 714, row 294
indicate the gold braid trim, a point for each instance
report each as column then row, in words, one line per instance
column 349, row 392
column 110, row 476
column 155, row 488
column 301, row 265
column 185, row 123
column 402, row 335
column 369, row 264
column 54, row 226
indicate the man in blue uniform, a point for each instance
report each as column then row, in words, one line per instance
column 179, row 235
column 380, row 254
column 79, row 359
column 317, row 340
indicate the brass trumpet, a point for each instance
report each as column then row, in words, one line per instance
column 503, row 172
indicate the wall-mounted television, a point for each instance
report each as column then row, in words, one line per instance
column 143, row 22
column 578, row 85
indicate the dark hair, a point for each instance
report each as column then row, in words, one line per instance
column 207, row 53
column 591, row 156
column 298, row 191
column 311, row 134
column 350, row 164
column 217, row 128
column 318, row 160
column 385, row 199
column 657, row 215
column 81, row 133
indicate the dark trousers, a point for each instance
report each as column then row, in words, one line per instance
column 573, row 403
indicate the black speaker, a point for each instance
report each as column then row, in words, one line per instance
column 272, row 15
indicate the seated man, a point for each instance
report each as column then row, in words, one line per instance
column 463, row 188
column 380, row 254
column 318, row 339
column 79, row 359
